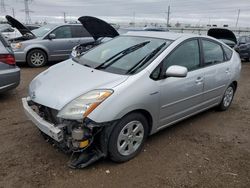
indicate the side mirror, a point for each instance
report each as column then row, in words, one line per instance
column 52, row 36
column 176, row 71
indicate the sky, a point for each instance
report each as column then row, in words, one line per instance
column 195, row 12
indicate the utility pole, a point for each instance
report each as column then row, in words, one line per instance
column 13, row 12
column 168, row 15
column 134, row 18
column 238, row 17
column 64, row 17
column 3, row 8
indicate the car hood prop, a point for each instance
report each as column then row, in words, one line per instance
column 220, row 33
column 20, row 27
column 97, row 27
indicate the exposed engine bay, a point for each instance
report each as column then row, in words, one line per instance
column 85, row 140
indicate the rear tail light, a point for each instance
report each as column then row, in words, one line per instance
column 8, row 59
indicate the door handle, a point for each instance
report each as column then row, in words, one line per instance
column 227, row 70
column 199, row 80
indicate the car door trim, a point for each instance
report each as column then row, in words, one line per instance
column 189, row 115
column 181, row 100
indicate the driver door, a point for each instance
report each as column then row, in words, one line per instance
column 181, row 97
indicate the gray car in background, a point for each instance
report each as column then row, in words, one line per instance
column 9, row 72
column 51, row 42
column 107, row 101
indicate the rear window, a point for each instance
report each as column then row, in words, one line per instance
column 228, row 52
column 79, row 31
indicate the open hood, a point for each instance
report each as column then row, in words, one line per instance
column 222, row 34
column 97, row 28
column 20, row 27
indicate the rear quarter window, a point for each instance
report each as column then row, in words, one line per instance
column 213, row 52
column 228, row 53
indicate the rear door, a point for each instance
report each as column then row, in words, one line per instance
column 217, row 70
column 80, row 35
column 67, row 37
column 180, row 97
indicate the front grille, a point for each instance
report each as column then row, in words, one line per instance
column 48, row 114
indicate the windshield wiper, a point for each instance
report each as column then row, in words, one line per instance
column 145, row 59
column 122, row 54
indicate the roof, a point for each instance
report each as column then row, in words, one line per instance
column 157, row 34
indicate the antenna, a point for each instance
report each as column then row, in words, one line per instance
column 3, row 6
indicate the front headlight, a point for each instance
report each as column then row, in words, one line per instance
column 16, row 45
column 82, row 106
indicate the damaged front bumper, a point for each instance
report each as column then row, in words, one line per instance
column 86, row 140
column 46, row 127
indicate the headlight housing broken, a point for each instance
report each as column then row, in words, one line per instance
column 82, row 106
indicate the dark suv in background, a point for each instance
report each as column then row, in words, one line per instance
column 243, row 47
column 9, row 72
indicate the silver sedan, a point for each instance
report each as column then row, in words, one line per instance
column 109, row 100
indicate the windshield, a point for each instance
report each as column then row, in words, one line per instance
column 40, row 32
column 124, row 54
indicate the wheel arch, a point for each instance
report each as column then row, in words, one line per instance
column 37, row 48
column 146, row 114
column 235, row 84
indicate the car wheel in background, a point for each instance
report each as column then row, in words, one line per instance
column 128, row 137
column 227, row 98
column 37, row 58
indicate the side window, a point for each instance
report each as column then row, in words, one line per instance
column 186, row 55
column 242, row 40
column 228, row 52
column 63, row 32
column 213, row 52
column 79, row 31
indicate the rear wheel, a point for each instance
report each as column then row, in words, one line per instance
column 128, row 137
column 227, row 98
column 37, row 58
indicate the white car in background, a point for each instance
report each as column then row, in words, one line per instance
column 9, row 32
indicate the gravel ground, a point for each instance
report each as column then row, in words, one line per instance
column 211, row 149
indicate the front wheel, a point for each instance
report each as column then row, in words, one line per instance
column 227, row 98
column 128, row 137
column 36, row 58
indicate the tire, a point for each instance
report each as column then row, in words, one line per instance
column 37, row 58
column 128, row 137
column 227, row 98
